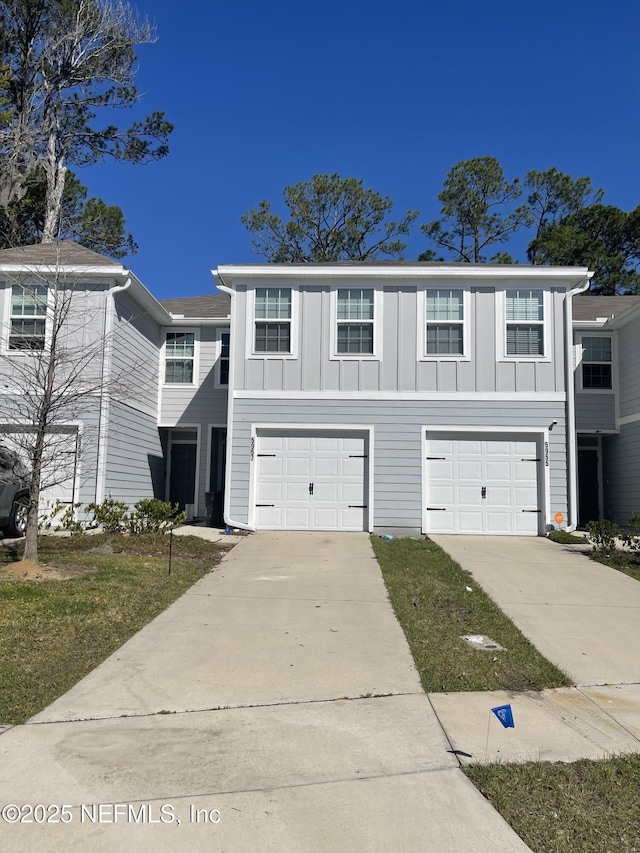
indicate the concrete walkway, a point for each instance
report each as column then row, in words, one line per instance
column 274, row 707
column 585, row 618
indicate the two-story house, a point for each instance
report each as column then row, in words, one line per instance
column 408, row 397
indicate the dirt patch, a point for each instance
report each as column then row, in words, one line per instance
column 27, row 570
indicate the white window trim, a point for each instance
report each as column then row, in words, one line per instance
column 614, row 362
column 501, row 325
column 422, row 324
column 196, row 358
column 376, row 355
column 250, row 351
column 6, row 313
column 218, row 358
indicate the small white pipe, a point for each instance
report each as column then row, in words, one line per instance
column 572, row 453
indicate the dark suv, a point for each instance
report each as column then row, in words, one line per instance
column 14, row 494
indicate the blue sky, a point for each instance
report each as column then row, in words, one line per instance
column 267, row 94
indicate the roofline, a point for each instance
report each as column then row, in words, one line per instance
column 67, row 269
column 177, row 320
column 570, row 275
column 623, row 317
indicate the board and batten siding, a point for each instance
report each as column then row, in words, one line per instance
column 397, row 443
column 399, row 368
column 135, row 465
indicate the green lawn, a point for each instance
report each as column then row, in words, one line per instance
column 429, row 594
column 53, row 632
column 584, row 807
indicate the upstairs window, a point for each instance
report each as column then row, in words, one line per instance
column 224, row 358
column 180, row 350
column 28, row 317
column 525, row 322
column 445, row 322
column 272, row 320
column 596, row 363
column 354, row 333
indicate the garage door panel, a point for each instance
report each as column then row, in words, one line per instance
column 477, row 464
column 335, row 464
column 469, row 469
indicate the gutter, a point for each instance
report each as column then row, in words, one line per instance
column 230, row 522
column 103, row 419
column 572, row 444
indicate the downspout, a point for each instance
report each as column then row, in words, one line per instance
column 227, row 476
column 572, row 452
column 103, row 420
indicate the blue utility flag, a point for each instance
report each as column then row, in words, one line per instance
column 505, row 715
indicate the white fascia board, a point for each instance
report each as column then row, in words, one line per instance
column 407, row 396
column 590, row 324
column 565, row 276
column 65, row 269
column 177, row 320
column 148, row 300
column 623, row 317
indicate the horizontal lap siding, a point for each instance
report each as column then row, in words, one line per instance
column 396, row 445
column 135, row 463
column 595, row 412
column 621, row 463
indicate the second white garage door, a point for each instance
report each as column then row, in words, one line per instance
column 482, row 483
column 311, row 480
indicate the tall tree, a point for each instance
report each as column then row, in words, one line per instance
column 89, row 221
column 554, row 195
column 331, row 219
column 66, row 60
column 602, row 237
column 477, row 213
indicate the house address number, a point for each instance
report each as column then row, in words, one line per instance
column 546, row 454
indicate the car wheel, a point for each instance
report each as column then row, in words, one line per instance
column 18, row 519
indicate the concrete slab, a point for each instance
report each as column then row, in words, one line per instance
column 619, row 701
column 429, row 812
column 4, row 729
column 553, row 725
column 325, row 626
column 211, row 534
column 581, row 615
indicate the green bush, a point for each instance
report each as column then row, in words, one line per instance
column 111, row 515
column 631, row 538
column 151, row 515
column 603, row 535
column 66, row 516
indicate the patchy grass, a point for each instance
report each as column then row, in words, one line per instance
column 564, row 538
column 53, row 632
column 584, row 807
column 429, row 596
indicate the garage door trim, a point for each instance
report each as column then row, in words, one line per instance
column 265, row 428
column 540, row 434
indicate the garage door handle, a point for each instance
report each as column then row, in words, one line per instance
column 310, row 488
column 483, row 492
column 531, row 510
column 436, row 509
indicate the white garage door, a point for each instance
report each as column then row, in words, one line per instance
column 60, row 461
column 311, row 481
column 478, row 483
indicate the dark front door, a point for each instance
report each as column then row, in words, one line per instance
column 588, row 489
column 182, row 477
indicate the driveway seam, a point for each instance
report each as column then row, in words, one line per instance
column 606, row 712
column 164, row 713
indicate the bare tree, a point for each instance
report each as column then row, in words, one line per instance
column 54, row 373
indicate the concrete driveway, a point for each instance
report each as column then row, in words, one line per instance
column 582, row 616
column 274, row 707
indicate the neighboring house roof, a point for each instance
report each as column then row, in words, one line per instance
column 595, row 307
column 198, row 307
column 65, row 253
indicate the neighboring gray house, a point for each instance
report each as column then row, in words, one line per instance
column 408, row 397
column 607, row 355
column 156, row 426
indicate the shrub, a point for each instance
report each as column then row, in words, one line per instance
column 632, row 537
column 602, row 535
column 65, row 516
column 151, row 515
column 111, row 515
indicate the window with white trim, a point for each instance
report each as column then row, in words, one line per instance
column 180, row 354
column 596, row 363
column 525, row 322
column 354, row 319
column 445, row 322
column 28, row 319
column 272, row 317
column 223, row 376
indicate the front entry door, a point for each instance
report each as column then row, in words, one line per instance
column 588, row 486
column 182, row 478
